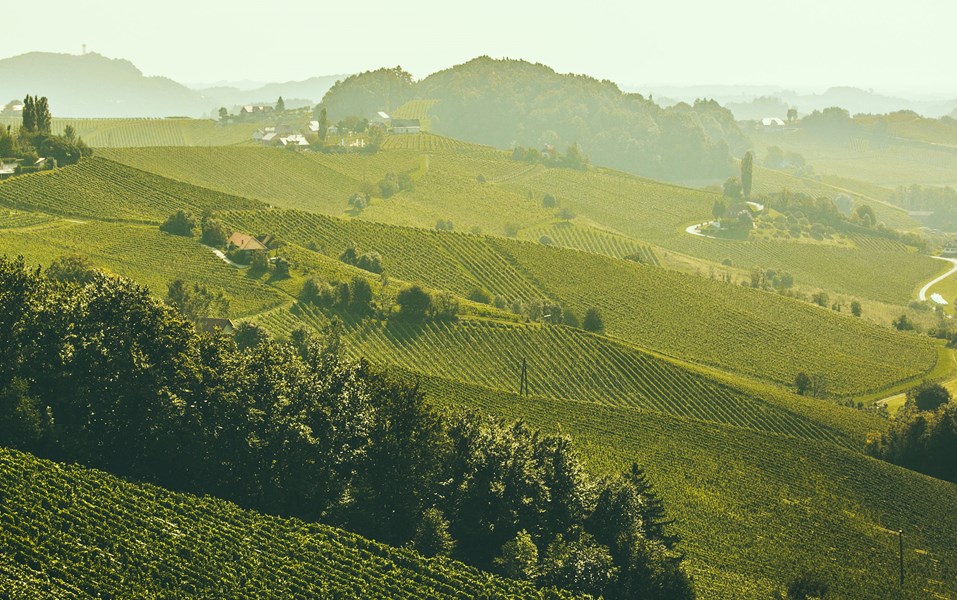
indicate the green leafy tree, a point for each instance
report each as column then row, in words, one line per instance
column 71, row 268
column 362, row 295
column 719, row 208
column 432, row 538
column 593, row 321
column 223, row 113
column 374, row 138
column 414, row 303
column 856, row 308
column 792, row 115
column 280, row 105
column 196, row 301
column 322, row 117
column 802, row 383
column 519, row 558
column 214, row 231
column 928, row 396
column 182, row 223
column 807, row 586
column 747, row 171
column 581, row 565
column 732, row 188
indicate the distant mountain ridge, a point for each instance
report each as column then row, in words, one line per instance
column 94, row 86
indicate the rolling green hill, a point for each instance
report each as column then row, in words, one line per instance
column 70, row 532
column 681, row 315
column 753, row 508
column 137, row 133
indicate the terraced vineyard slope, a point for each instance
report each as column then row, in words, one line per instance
column 70, row 532
column 137, row 133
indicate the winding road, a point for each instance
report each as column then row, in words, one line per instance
column 922, row 296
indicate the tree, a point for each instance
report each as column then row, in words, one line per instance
column 69, row 134
column 719, row 208
column 792, row 115
column 928, row 396
column 593, row 321
column 29, row 123
column 519, row 558
column 747, row 169
column 223, row 113
column 432, row 537
column 802, row 383
column 375, row 136
column 414, row 303
column 732, row 188
column 72, row 268
column 549, row 201
column 44, row 120
column 807, row 585
column 196, row 301
column 856, row 308
column 580, row 565
column 180, row 223
column 361, row 295
column 280, row 104
column 323, row 119
column 903, row 323
column 215, row 233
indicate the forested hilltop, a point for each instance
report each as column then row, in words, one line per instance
column 507, row 103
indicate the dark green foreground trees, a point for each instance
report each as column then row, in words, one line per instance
column 103, row 374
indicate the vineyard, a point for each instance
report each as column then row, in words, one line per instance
column 482, row 190
column 708, row 322
column 593, row 240
column 101, row 189
column 13, row 219
column 137, row 133
column 564, row 364
column 424, row 142
column 416, row 109
column 754, row 508
column 70, row 532
column 145, row 255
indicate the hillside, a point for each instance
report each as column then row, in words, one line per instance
column 505, row 103
column 81, row 533
column 754, row 508
column 508, row 198
column 138, row 133
column 91, row 85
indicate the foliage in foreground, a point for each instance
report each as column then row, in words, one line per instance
column 72, row 532
column 103, row 374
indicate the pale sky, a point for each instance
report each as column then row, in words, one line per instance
column 889, row 46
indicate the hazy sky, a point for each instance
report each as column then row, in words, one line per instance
column 886, row 45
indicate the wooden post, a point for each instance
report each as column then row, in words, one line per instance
column 900, row 537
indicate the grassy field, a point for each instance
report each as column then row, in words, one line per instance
column 755, row 508
column 70, row 532
column 137, row 133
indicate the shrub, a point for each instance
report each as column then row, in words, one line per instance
column 593, row 321
column 181, row 223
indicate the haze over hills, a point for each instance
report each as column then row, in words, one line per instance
column 95, row 86
column 756, row 102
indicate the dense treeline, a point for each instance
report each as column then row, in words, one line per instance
column 507, row 103
column 97, row 371
column 923, row 435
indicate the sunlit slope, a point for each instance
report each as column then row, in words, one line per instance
column 752, row 332
column 136, row 133
column 480, row 189
column 143, row 254
column 102, row 189
column 755, row 509
column 70, row 532
column 904, row 157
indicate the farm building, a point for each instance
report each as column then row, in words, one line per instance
column 210, row 325
column 950, row 249
column 8, row 169
column 254, row 109
column 772, row 122
column 402, row 126
column 295, row 140
column 244, row 245
column 380, row 118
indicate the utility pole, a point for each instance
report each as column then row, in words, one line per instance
column 900, row 537
column 523, row 385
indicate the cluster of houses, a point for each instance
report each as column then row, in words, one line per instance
column 287, row 137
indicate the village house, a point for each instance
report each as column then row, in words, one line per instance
column 244, row 246
column 210, row 325
column 404, row 126
column 950, row 249
column 8, row 168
